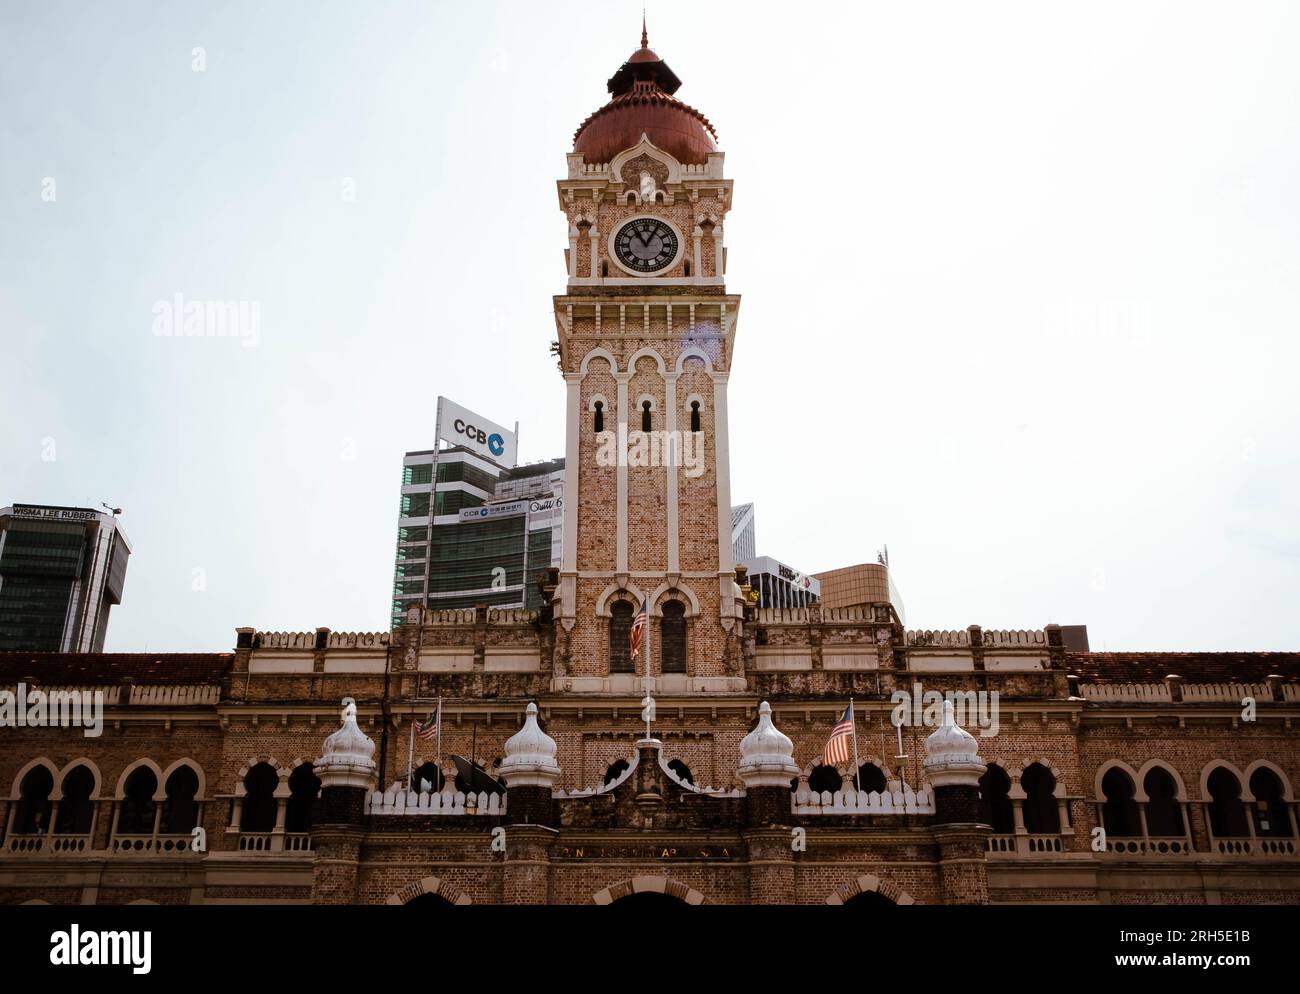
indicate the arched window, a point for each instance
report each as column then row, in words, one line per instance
column 304, row 788
column 135, row 816
column 1042, row 816
column 695, row 415
column 616, row 770
column 620, row 635
column 1270, row 813
column 599, row 420
column 995, row 801
column 427, row 776
column 1164, row 813
column 180, row 810
column 824, row 778
column 672, row 638
column 76, row 810
column 33, row 814
column 1119, row 810
column 1227, row 812
column 682, row 770
column 871, row 778
column 868, row 899
column 645, row 415
column 260, row 803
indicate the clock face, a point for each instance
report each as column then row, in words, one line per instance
column 646, row 245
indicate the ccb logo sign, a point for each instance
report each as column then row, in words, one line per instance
column 495, row 443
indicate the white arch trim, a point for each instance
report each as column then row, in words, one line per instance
column 198, row 772
column 1112, row 764
column 613, row 592
column 159, row 794
column 698, row 353
column 1180, row 788
column 648, row 884
column 641, row 353
column 598, row 353
column 1277, row 770
column 657, row 598
column 15, row 792
column 87, row 762
column 1213, row 765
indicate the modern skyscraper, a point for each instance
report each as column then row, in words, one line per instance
column 471, row 549
column 61, row 569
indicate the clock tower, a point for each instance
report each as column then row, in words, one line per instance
column 646, row 329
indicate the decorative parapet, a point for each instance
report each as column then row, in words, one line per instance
column 782, row 616
column 307, row 640
column 174, row 696
column 1014, row 637
column 957, row 638
column 860, row 802
column 1225, row 693
column 1192, row 693
column 607, row 788
column 396, row 801
column 357, row 640
column 1126, row 693
column 511, row 616
column 53, row 694
column 1291, row 693
column 452, row 616
column 992, row 638
column 687, row 785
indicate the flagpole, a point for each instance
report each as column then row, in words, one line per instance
column 857, row 779
column 647, row 665
column 436, row 787
column 410, row 751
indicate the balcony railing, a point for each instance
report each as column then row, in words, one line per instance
column 1255, row 847
column 164, row 845
column 1001, row 843
column 1157, row 846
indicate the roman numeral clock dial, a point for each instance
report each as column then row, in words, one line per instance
column 646, row 245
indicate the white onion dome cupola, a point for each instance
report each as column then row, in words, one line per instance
column 767, row 754
column 530, row 755
column 952, row 754
column 349, row 757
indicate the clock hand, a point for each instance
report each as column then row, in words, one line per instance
column 645, row 238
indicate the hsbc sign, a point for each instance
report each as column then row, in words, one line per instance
column 461, row 426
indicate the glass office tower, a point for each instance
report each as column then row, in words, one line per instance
column 491, row 529
column 61, row 570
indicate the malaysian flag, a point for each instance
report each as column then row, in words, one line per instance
column 836, row 752
column 638, row 626
column 428, row 728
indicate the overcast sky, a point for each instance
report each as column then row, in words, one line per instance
column 1019, row 291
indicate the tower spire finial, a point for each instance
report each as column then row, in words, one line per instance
column 645, row 39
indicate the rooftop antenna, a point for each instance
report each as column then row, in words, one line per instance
column 882, row 556
column 115, row 511
column 645, row 39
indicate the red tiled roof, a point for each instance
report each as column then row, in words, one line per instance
column 1193, row 667
column 106, row 668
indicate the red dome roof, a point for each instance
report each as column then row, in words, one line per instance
column 642, row 102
